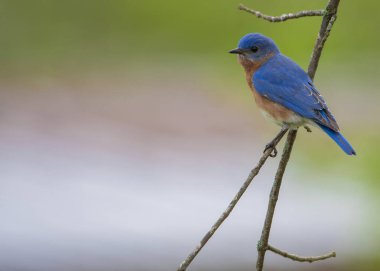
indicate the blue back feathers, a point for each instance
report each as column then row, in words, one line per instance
column 281, row 80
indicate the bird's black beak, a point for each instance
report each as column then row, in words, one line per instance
column 236, row 51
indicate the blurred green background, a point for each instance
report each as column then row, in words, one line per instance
column 47, row 36
column 162, row 68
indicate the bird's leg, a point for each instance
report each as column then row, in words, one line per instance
column 307, row 128
column 273, row 143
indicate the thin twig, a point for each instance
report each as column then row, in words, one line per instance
column 297, row 258
column 327, row 23
column 328, row 29
column 283, row 17
column 232, row 204
column 263, row 243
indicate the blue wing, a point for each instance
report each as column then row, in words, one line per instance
column 281, row 80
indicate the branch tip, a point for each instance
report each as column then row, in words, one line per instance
column 297, row 258
column 283, row 17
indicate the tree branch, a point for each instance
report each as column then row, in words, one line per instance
column 262, row 246
column 232, row 204
column 327, row 23
column 283, row 17
column 297, row 258
column 328, row 20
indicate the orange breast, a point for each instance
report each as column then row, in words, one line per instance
column 277, row 112
column 274, row 110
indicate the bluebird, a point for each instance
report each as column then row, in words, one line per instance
column 283, row 91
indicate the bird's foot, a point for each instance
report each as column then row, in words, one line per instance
column 270, row 145
column 307, row 128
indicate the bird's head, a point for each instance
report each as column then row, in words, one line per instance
column 255, row 48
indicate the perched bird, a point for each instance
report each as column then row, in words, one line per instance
column 283, row 91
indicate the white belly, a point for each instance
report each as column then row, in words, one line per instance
column 293, row 120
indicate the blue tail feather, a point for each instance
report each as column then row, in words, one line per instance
column 339, row 139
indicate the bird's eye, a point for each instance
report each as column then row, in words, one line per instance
column 254, row 49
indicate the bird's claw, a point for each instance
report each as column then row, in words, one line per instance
column 273, row 153
column 307, row 128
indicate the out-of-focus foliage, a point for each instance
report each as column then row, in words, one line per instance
column 38, row 36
